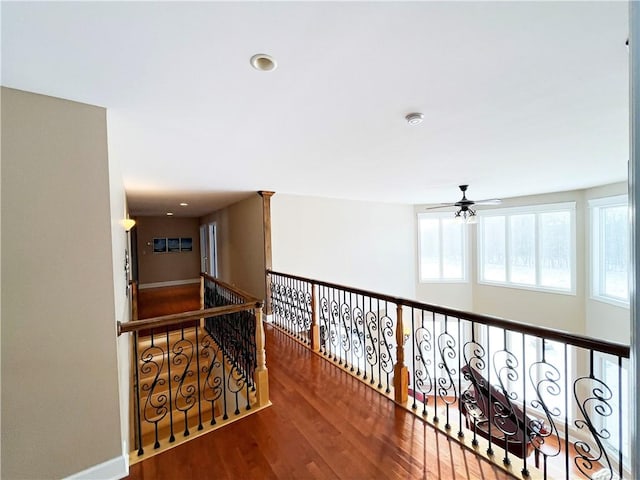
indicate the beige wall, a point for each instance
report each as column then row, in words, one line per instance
column 171, row 266
column 240, row 244
column 59, row 361
column 119, row 245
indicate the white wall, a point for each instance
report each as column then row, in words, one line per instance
column 60, row 403
column 360, row 244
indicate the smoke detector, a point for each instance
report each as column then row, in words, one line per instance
column 414, row 118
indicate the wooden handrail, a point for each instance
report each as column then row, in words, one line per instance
column 576, row 340
column 177, row 318
column 247, row 296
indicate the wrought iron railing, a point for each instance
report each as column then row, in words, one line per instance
column 235, row 333
column 532, row 399
column 195, row 370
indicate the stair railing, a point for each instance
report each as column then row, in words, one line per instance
column 197, row 370
column 512, row 392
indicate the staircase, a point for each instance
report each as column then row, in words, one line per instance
column 183, row 394
column 163, row 415
column 189, row 379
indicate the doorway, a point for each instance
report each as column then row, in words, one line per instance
column 209, row 249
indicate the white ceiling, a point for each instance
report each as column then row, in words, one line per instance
column 519, row 98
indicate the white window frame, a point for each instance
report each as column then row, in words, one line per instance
column 465, row 250
column 595, row 254
column 529, row 209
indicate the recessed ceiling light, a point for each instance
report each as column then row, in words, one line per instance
column 414, row 118
column 184, row 204
column 263, row 62
column 169, row 214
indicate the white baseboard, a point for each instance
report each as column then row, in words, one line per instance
column 171, row 283
column 113, row 469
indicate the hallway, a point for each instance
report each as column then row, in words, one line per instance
column 323, row 424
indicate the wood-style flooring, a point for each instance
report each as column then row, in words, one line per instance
column 324, row 424
column 155, row 302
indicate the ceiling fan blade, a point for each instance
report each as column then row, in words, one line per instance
column 491, row 201
column 442, row 205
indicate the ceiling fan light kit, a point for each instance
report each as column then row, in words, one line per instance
column 466, row 214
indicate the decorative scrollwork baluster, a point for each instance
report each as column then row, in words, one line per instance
column 213, row 383
column 505, row 365
column 358, row 337
column 306, row 314
column 474, row 357
column 372, row 345
column 155, row 405
column 324, row 325
column 446, row 385
column 345, row 333
column 424, row 383
column 386, row 350
column 545, row 379
column 334, row 328
column 236, row 383
column 594, row 403
column 185, row 396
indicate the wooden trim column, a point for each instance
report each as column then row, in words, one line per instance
column 261, row 376
column 266, row 228
column 400, row 370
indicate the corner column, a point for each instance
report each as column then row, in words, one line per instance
column 266, row 228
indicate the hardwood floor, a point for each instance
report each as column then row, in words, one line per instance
column 323, row 424
column 155, row 302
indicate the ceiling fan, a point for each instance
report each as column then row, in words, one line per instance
column 466, row 214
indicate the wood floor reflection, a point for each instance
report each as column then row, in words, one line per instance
column 323, row 424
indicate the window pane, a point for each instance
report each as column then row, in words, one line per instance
column 452, row 249
column 493, row 249
column 615, row 246
column 555, row 250
column 430, row 248
column 522, row 242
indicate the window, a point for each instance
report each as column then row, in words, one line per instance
column 442, row 244
column 610, row 249
column 528, row 247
